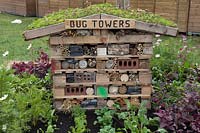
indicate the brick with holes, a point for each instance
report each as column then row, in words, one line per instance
column 128, row 63
column 84, row 77
column 78, row 90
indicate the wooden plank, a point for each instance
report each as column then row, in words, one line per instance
column 94, row 96
column 156, row 28
column 95, row 70
column 93, row 40
column 36, row 33
column 106, row 57
column 118, row 83
column 99, row 24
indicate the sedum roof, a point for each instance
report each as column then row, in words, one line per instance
column 73, row 13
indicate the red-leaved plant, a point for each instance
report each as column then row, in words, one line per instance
column 183, row 117
column 39, row 67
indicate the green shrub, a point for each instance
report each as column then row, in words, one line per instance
column 23, row 100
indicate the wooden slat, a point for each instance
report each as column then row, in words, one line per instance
column 36, row 33
column 156, row 28
column 102, row 57
column 93, row 96
column 94, row 70
column 118, row 83
column 101, row 39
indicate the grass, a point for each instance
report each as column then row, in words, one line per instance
column 11, row 39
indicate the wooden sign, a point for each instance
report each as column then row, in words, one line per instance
column 99, row 24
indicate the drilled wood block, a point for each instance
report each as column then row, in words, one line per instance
column 101, row 64
column 118, row 49
column 148, row 50
column 128, row 63
column 59, row 80
column 145, row 78
column 102, row 78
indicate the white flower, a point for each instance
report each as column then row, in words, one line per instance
column 4, row 128
column 4, row 97
column 43, row 89
column 157, row 35
column 153, row 46
column 157, row 43
column 16, row 21
column 157, row 55
column 5, row 54
column 11, row 101
column 30, row 45
column 159, row 40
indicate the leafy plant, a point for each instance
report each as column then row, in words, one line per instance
column 136, row 120
column 104, row 119
column 183, row 116
column 174, row 71
column 22, row 102
column 80, row 120
column 39, row 68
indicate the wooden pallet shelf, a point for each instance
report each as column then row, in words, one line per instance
column 101, row 83
column 102, row 57
column 109, row 96
column 100, row 70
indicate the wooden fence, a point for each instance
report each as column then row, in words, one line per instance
column 175, row 10
column 18, row 7
column 186, row 13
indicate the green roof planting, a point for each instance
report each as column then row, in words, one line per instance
column 73, row 13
